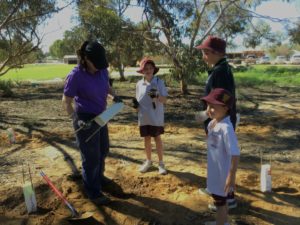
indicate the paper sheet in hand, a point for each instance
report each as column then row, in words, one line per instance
column 109, row 113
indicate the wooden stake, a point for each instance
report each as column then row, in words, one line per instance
column 23, row 175
column 30, row 176
column 261, row 158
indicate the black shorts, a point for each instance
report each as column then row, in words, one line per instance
column 219, row 200
column 152, row 131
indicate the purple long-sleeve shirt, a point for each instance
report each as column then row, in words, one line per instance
column 89, row 90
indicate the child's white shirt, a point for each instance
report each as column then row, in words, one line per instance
column 147, row 115
column 221, row 144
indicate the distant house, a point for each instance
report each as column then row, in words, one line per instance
column 256, row 53
column 244, row 54
column 248, row 56
column 234, row 55
column 70, row 59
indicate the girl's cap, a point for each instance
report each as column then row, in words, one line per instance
column 144, row 62
column 219, row 96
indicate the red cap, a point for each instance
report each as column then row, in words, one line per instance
column 144, row 62
column 219, row 96
column 213, row 43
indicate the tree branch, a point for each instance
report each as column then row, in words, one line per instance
column 38, row 14
column 199, row 14
column 7, row 19
column 256, row 15
column 218, row 18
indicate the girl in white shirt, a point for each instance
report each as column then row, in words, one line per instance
column 151, row 94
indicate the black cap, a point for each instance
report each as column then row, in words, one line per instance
column 95, row 52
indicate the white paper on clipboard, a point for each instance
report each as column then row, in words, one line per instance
column 109, row 113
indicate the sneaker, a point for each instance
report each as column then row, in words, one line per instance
column 204, row 191
column 212, row 207
column 102, row 200
column 231, row 203
column 161, row 169
column 146, row 166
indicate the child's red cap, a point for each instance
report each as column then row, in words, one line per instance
column 144, row 62
column 219, row 96
column 213, row 43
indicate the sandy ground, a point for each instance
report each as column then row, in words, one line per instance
column 270, row 123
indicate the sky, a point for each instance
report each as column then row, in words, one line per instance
column 66, row 19
column 55, row 27
column 280, row 9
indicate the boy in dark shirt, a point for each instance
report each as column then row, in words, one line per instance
column 220, row 75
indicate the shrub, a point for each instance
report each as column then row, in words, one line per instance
column 6, row 88
column 239, row 68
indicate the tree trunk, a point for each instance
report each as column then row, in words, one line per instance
column 121, row 68
column 183, row 87
column 121, row 71
column 183, row 83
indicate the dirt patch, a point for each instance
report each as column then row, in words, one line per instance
column 44, row 139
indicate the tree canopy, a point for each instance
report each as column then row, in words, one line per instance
column 295, row 33
column 179, row 25
column 254, row 34
column 169, row 27
column 104, row 20
column 19, row 38
column 69, row 44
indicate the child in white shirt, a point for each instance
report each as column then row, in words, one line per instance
column 223, row 151
column 151, row 94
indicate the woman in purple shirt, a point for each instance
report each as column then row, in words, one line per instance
column 87, row 86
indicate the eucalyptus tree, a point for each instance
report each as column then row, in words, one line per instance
column 255, row 33
column 19, row 38
column 179, row 25
column 104, row 20
column 57, row 49
column 69, row 44
column 294, row 32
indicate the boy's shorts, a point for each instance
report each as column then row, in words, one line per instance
column 219, row 200
column 152, row 131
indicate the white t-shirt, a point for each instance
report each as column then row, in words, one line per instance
column 221, row 144
column 147, row 115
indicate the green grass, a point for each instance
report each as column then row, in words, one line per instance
column 33, row 72
column 268, row 75
column 264, row 75
column 38, row 72
column 257, row 75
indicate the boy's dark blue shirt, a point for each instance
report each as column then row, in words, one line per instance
column 220, row 76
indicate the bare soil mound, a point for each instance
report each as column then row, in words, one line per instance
column 270, row 123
